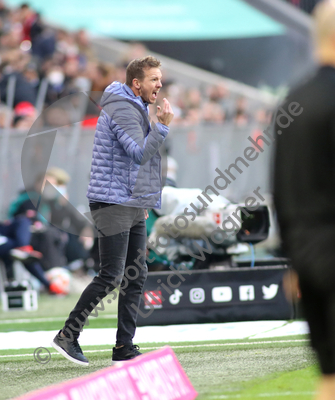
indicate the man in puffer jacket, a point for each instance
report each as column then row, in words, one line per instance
column 125, row 181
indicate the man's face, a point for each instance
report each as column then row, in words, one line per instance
column 150, row 85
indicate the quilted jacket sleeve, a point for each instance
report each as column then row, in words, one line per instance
column 130, row 128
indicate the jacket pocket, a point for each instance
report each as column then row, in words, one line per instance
column 132, row 175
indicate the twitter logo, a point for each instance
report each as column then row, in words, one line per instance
column 270, row 292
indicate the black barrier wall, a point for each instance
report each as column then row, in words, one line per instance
column 238, row 294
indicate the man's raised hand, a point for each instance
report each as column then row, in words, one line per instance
column 165, row 115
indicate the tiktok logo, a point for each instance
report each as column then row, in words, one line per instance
column 175, row 297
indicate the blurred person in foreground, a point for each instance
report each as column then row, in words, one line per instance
column 304, row 188
column 125, row 181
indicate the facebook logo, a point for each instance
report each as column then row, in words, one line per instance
column 247, row 292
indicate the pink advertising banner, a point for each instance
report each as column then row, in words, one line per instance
column 152, row 376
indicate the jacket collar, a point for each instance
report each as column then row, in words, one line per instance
column 132, row 94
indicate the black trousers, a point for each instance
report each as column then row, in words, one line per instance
column 319, row 311
column 313, row 257
column 122, row 246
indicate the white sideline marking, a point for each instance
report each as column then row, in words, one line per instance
column 178, row 334
column 28, row 320
column 179, row 347
column 262, row 395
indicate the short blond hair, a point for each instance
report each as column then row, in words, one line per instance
column 61, row 176
column 324, row 19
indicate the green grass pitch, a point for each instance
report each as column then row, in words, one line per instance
column 280, row 368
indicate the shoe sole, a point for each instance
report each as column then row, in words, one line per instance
column 114, row 362
column 121, row 361
column 118, row 361
column 64, row 353
column 24, row 256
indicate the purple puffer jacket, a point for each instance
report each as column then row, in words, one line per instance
column 126, row 164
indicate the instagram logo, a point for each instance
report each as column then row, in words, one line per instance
column 197, row 295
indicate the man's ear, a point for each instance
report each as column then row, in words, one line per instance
column 136, row 83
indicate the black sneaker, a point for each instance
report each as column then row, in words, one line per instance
column 68, row 349
column 125, row 353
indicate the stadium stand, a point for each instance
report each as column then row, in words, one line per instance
column 49, row 63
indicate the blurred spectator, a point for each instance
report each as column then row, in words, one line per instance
column 30, row 21
column 4, row 11
column 220, row 94
column 175, row 94
column 66, row 44
column 56, row 117
column 23, row 91
column 193, row 98
column 212, row 112
column 15, row 237
column 43, row 44
column 24, row 115
column 5, row 113
column 30, row 73
column 56, row 78
column 85, row 50
column 192, row 117
column 241, row 116
column 101, row 75
column 262, row 116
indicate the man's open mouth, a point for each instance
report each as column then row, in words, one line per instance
column 154, row 94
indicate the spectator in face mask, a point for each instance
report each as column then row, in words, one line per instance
column 61, row 179
column 63, row 214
